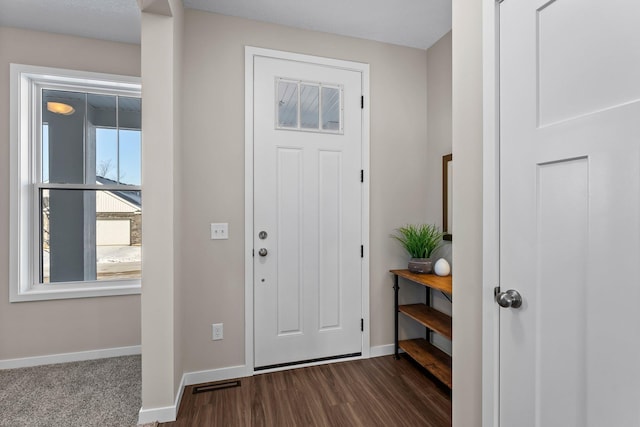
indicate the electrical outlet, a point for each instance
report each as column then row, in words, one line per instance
column 219, row 230
column 216, row 331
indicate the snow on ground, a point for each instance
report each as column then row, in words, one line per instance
column 110, row 254
column 118, row 254
column 113, row 262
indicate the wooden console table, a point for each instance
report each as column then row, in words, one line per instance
column 434, row 360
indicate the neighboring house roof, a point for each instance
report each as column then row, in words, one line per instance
column 131, row 197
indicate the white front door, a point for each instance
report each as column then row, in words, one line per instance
column 307, row 212
column 570, row 213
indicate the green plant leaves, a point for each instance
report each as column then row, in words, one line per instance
column 419, row 240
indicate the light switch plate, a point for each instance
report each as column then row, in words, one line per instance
column 219, row 230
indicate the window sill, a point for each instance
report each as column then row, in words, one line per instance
column 77, row 290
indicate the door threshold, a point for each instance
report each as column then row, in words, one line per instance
column 307, row 363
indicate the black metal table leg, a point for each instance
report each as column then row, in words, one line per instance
column 395, row 289
column 427, row 302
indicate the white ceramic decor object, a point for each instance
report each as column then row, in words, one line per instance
column 441, row 267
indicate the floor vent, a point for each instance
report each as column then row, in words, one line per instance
column 203, row 388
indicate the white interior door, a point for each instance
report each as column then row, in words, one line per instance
column 307, row 212
column 570, row 213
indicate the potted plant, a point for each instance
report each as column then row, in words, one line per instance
column 419, row 241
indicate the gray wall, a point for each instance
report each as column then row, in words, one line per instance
column 439, row 136
column 212, row 278
column 467, row 212
column 51, row 327
column 439, row 120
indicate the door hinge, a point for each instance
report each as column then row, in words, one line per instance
column 362, row 102
column 361, row 251
column 361, row 175
column 361, row 325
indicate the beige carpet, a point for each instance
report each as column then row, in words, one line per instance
column 103, row 392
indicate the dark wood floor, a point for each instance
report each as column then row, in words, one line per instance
column 380, row 391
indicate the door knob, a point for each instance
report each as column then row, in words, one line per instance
column 510, row 298
column 263, row 252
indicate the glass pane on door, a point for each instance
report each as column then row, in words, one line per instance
column 287, row 104
column 330, row 108
column 309, row 107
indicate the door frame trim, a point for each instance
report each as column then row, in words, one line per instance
column 491, row 214
column 250, row 54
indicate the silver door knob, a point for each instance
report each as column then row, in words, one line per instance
column 510, row 298
column 263, row 252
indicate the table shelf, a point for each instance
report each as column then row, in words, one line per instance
column 434, row 360
column 429, row 317
column 440, row 283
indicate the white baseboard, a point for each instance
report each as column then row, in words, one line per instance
column 162, row 415
column 221, row 374
column 179, row 393
column 79, row 356
column 382, row 350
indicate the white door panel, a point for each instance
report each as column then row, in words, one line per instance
column 570, row 213
column 598, row 69
column 308, row 199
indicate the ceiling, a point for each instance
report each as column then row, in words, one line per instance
column 413, row 23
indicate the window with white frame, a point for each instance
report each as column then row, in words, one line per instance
column 76, row 201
